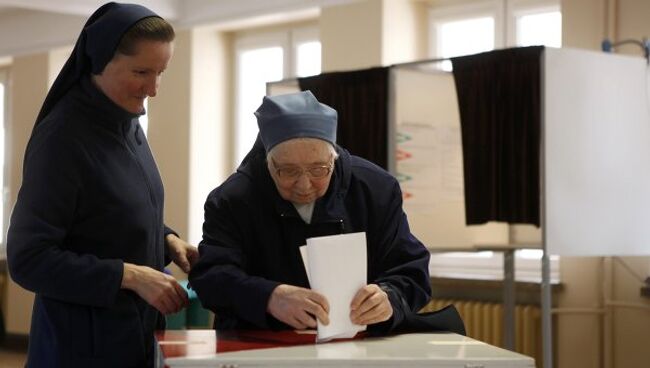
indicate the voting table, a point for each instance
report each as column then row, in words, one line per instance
column 240, row 349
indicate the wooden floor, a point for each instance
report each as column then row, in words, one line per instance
column 12, row 359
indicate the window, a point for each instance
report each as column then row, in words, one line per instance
column 256, row 67
column 542, row 28
column 307, row 52
column 534, row 22
column 263, row 57
column 308, row 58
column 479, row 26
column 465, row 29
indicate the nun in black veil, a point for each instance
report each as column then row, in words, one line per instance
column 87, row 232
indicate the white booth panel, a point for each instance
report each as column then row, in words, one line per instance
column 597, row 153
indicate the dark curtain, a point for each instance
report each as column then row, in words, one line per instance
column 499, row 100
column 361, row 100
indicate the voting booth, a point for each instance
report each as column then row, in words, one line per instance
column 593, row 182
column 593, row 152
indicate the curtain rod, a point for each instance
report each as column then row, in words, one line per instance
column 419, row 62
column 284, row 81
column 397, row 65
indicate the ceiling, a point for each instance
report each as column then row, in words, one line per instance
column 34, row 25
column 181, row 12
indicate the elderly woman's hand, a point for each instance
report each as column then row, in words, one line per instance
column 182, row 253
column 370, row 305
column 298, row 307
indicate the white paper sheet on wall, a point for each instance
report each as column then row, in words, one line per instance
column 336, row 267
column 429, row 165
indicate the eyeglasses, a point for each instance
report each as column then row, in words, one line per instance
column 295, row 172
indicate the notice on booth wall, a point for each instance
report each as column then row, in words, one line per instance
column 429, row 165
column 336, row 267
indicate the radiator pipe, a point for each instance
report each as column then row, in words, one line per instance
column 509, row 299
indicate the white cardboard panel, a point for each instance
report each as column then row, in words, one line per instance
column 597, row 153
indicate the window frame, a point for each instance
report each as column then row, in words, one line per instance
column 247, row 41
column 518, row 8
column 298, row 36
column 458, row 12
column 286, row 37
column 258, row 40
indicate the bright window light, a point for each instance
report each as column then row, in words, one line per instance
column 308, row 58
column 144, row 119
column 255, row 67
column 534, row 254
column 540, row 29
column 481, row 254
column 464, row 37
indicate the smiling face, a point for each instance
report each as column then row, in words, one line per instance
column 297, row 167
column 129, row 79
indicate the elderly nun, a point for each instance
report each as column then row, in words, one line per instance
column 294, row 184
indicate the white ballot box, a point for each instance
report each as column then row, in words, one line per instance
column 197, row 348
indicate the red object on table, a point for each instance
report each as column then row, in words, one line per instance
column 260, row 339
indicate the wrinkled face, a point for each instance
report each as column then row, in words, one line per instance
column 129, row 79
column 301, row 169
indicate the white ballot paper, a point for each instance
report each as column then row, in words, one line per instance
column 336, row 267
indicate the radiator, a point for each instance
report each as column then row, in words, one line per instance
column 484, row 321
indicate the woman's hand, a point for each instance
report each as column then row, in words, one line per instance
column 182, row 253
column 370, row 305
column 298, row 307
column 160, row 290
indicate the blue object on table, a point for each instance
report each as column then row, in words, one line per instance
column 194, row 316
